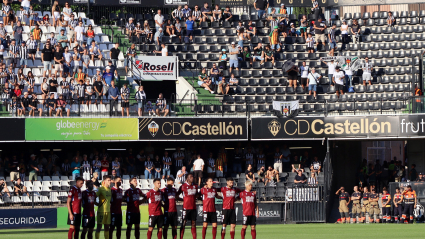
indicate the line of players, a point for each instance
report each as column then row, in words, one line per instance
column 109, row 212
column 368, row 202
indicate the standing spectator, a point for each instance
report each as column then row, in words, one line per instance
column 46, row 58
column 95, row 52
column 59, row 60
column 14, row 53
column 125, row 104
column 159, row 20
column 96, row 164
column 293, row 76
column 67, row 11
column 75, row 166
column 344, row 33
column 274, row 39
column 140, row 97
column 17, row 33
column 167, row 164
column 233, row 57
column 332, row 40
column 72, row 24
column 158, row 38
column 67, row 60
column 310, row 43
column 331, row 69
column 304, row 70
column 66, row 167
column 178, row 158
column 89, row 92
column 217, row 13
column 158, row 167
column 261, row 6
column 114, row 53
column 198, row 168
column 129, row 57
column 113, row 95
column 349, row 80
column 23, row 55
column 316, row 166
column 227, row 14
column 33, row 169
column 86, row 168
column 189, row 28
column 206, row 14
column 211, row 166
column 338, row 80
column 80, row 32
column 181, row 175
column 390, row 19
column 13, row 168
column 161, row 105
column 319, row 31
column 367, row 68
column 148, row 168
column 303, row 26
column 355, row 31
column 315, row 9
column 130, row 28
column 104, row 167
column 277, row 163
column 313, row 80
column 249, row 173
column 286, row 157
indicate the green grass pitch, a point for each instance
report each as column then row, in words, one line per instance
column 299, row 231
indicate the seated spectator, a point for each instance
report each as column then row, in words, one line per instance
column 303, row 26
column 206, row 13
column 178, row 30
column 125, row 104
column 355, row 31
column 249, row 173
column 217, row 13
column 316, row 166
column 148, row 168
column 95, row 52
column 274, row 39
column 246, row 55
column 312, row 180
column 251, row 30
column 293, row 31
column 196, row 14
column 300, row 178
column 25, row 103
column 138, row 30
column 261, row 174
column 169, row 28
column 161, row 106
column 204, row 81
column 233, row 57
column 34, row 105
column 19, row 188
column 268, row 55
column 273, row 22
column 313, row 80
column 390, row 19
column 258, row 53
column 181, row 175
column 223, row 86
column 3, row 188
column 227, row 14
column 147, row 31
column 186, row 12
column 223, row 59
column 344, row 32
column 62, row 106
column 332, row 40
column 8, row 16
column 158, row 167
column 271, row 175
column 51, row 104
column 338, row 80
column 233, row 80
column 296, row 165
column 310, row 43
column 178, row 13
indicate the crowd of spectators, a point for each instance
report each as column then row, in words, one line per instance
column 250, row 162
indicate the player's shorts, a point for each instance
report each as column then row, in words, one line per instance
column 88, row 222
column 210, row 217
column 229, row 216
column 249, row 220
column 116, row 219
column 133, row 218
column 170, row 219
column 76, row 222
column 156, row 221
column 189, row 215
column 104, row 218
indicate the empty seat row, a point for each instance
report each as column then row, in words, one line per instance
column 383, row 15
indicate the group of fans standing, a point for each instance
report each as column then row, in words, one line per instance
column 368, row 202
column 162, row 208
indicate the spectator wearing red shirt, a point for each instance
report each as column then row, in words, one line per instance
column 88, row 200
column 170, row 208
column 210, row 213
column 229, row 194
column 116, row 213
column 133, row 195
column 104, row 166
column 249, row 210
column 155, row 199
column 74, row 208
column 190, row 193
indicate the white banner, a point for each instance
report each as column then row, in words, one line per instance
column 156, row 67
column 302, row 194
column 285, row 107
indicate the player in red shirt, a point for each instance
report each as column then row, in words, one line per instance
column 116, row 213
column 133, row 195
column 170, row 208
column 190, row 193
column 74, row 208
column 155, row 199
column 229, row 194
column 249, row 210
column 210, row 213
column 88, row 201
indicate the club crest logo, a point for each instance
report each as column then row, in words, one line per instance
column 153, row 128
column 274, row 127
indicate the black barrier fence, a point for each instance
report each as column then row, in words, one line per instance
column 308, row 203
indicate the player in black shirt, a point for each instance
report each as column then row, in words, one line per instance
column 344, row 201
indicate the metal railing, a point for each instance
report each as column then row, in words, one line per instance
column 308, row 203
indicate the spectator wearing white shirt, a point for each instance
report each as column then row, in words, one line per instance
column 67, row 68
column 313, row 80
column 198, row 168
column 331, row 69
column 163, row 51
column 80, row 32
column 67, row 11
column 304, row 69
column 338, row 80
column 159, row 20
column 95, row 52
column 348, row 79
column 140, row 96
column 367, row 68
